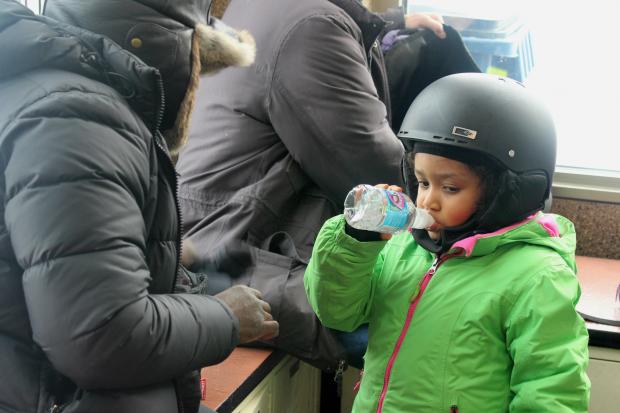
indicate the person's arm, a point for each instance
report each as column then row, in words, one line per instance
column 340, row 278
column 76, row 191
column 324, row 106
column 548, row 343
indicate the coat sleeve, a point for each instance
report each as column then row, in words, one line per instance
column 77, row 177
column 548, row 343
column 341, row 276
column 324, row 106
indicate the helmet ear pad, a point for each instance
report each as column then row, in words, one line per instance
column 518, row 196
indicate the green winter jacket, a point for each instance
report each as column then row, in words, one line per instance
column 490, row 327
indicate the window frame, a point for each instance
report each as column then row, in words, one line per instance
column 586, row 184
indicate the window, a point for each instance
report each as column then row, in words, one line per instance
column 574, row 69
column 34, row 5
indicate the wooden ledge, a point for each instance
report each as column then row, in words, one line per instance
column 229, row 383
column 599, row 279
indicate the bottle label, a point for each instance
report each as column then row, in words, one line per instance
column 395, row 212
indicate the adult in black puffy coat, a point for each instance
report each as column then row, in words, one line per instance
column 89, row 228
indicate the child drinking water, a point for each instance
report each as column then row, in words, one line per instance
column 475, row 314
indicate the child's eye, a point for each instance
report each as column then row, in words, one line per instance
column 423, row 184
column 451, row 189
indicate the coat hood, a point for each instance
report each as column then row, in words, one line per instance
column 31, row 42
column 178, row 39
column 546, row 230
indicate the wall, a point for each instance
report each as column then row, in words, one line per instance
column 380, row 5
column 597, row 225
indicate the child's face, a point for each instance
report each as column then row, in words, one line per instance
column 448, row 189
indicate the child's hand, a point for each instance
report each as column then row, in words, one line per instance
column 396, row 188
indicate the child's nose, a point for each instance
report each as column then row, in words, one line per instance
column 431, row 200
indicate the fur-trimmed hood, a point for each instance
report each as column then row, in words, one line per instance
column 179, row 39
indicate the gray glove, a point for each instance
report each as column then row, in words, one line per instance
column 254, row 314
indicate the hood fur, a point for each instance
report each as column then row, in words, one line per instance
column 179, row 39
column 218, row 7
column 212, row 50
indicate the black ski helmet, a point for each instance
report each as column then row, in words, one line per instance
column 499, row 118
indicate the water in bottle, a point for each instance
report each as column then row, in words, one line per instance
column 382, row 210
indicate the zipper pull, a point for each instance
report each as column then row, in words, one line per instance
column 375, row 45
column 338, row 376
column 430, row 271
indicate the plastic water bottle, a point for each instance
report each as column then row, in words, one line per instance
column 382, row 210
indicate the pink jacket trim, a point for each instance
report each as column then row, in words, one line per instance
column 550, row 225
column 546, row 221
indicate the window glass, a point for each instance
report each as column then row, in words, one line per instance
column 34, row 5
column 574, row 65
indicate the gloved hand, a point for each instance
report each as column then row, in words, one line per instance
column 254, row 314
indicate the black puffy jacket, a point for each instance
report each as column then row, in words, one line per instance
column 89, row 232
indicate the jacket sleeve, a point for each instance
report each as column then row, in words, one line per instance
column 324, row 106
column 77, row 177
column 548, row 343
column 341, row 276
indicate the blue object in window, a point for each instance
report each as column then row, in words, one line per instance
column 510, row 54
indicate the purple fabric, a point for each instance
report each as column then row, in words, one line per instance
column 390, row 39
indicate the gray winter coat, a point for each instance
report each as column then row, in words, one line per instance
column 275, row 148
column 89, row 233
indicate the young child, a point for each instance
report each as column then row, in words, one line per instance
column 475, row 314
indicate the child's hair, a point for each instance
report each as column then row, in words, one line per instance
column 499, row 129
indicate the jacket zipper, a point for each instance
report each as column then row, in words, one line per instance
column 57, row 408
column 342, row 365
column 157, row 136
column 375, row 45
column 414, row 303
column 155, row 131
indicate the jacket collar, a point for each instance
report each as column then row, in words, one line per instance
column 538, row 228
column 369, row 23
column 32, row 42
